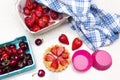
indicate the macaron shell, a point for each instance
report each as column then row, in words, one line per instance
column 82, row 60
column 101, row 60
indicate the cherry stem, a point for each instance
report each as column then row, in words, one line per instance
column 34, row 74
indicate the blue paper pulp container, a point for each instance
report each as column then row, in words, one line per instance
column 29, row 51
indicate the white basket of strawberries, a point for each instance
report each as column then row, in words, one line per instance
column 37, row 18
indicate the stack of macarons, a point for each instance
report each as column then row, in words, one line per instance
column 82, row 60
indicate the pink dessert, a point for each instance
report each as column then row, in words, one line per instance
column 101, row 60
column 82, row 60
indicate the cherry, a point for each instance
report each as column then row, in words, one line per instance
column 20, row 64
column 29, row 62
column 21, row 56
column 12, row 46
column 38, row 41
column 5, row 56
column 41, row 73
column 1, row 71
column 1, row 50
column 20, row 51
column 16, row 57
column 23, row 45
column 14, row 50
column 27, row 56
column 7, row 69
column 13, row 62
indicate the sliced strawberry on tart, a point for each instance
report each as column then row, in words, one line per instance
column 56, row 58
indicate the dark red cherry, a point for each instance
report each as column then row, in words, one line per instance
column 38, row 41
column 23, row 45
column 41, row 73
column 1, row 71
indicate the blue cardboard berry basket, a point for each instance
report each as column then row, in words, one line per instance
column 29, row 51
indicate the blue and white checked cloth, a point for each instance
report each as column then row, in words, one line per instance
column 96, row 27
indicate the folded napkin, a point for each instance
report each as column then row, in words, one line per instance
column 96, row 27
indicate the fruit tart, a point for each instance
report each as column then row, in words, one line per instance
column 56, row 58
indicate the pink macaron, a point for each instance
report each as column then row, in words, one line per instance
column 101, row 60
column 82, row 60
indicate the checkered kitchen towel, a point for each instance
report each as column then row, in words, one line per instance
column 96, row 27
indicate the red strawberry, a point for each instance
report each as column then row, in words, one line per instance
column 29, row 21
column 54, row 50
column 54, row 64
column 62, row 61
column 39, row 8
column 46, row 18
column 34, row 4
column 29, row 4
column 54, row 15
column 37, row 20
column 38, row 13
column 63, row 39
column 26, row 11
column 41, row 23
column 76, row 43
column 60, row 50
column 49, row 57
column 65, row 55
column 35, row 28
column 46, row 10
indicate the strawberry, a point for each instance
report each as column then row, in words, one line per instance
column 46, row 18
column 77, row 43
column 54, row 50
column 46, row 10
column 60, row 50
column 65, row 55
column 35, row 28
column 26, row 11
column 29, row 21
column 39, row 8
column 62, row 61
column 63, row 39
column 38, row 13
column 29, row 4
column 54, row 64
column 54, row 15
column 42, row 23
column 49, row 57
column 34, row 4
